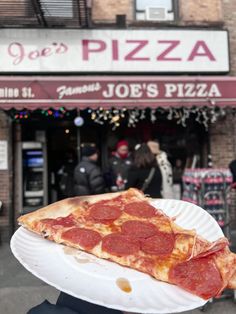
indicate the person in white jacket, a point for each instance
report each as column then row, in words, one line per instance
column 165, row 167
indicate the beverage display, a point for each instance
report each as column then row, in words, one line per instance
column 209, row 188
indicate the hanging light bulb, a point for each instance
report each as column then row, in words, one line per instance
column 78, row 121
column 115, row 118
column 93, row 116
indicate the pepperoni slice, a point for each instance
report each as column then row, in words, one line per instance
column 160, row 244
column 119, row 245
column 86, row 238
column 138, row 229
column 114, row 201
column 198, row 276
column 140, row 209
column 104, row 213
column 59, row 222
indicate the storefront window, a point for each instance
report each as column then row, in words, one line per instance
column 156, row 10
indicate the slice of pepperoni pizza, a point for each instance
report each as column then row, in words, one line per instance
column 125, row 228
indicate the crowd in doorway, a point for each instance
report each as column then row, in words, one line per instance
column 147, row 168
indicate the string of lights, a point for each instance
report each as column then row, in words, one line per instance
column 203, row 115
column 19, row 115
column 114, row 116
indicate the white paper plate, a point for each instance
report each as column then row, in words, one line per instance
column 89, row 278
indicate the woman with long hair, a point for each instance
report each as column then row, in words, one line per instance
column 165, row 168
column 145, row 173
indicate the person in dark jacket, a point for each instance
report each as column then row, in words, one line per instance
column 87, row 175
column 65, row 176
column 145, row 173
column 66, row 304
column 119, row 164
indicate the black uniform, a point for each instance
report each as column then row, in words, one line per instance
column 88, row 178
column 137, row 176
column 120, row 166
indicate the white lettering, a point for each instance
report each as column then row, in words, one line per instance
column 152, row 90
column 189, row 90
column 136, row 90
column 109, row 92
column 69, row 91
column 201, row 90
column 180, row 90
column 122, row 91
column 9, row 92
column 214, row 91
column 170, row 89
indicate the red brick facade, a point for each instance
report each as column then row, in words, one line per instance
column 6, row 175
column 196, row 12
column 223, row 133
column 200, row 12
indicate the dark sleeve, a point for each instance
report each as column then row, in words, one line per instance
column 76, row 174
column 113, row 172
column 159, row 186
column 109, row 174
column 132, row 178
column 96, row 181
column 83, row 307
column 232, row 167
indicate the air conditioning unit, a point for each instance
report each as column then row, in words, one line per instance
column 156, row 14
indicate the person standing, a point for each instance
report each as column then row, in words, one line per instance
column 65, row 176
column 119, row 164
column 145, row 173
column 165, row 167
column 88, row 176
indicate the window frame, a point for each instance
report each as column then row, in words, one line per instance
column 175, row 10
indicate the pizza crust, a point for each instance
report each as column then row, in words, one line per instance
column 65, row 207
column 189, row 245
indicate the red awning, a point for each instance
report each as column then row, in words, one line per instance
column 82, row 92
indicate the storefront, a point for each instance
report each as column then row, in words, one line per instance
column 106, row 109
column 117, row 91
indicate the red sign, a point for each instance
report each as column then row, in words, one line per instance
column 116, row 91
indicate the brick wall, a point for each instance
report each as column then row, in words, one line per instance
column 5, row 175
column 206, row 11
column 106, row 10
column 223, row 141
column 191, row 11
column 223, row 134
column 229, row 16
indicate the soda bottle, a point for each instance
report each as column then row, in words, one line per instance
column 120, row 182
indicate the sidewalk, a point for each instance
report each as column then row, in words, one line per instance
column 19, row 290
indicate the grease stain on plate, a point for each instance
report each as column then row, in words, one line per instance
column 124, row 285
column 78, row 256
column 69, row 250
column 82, row 260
